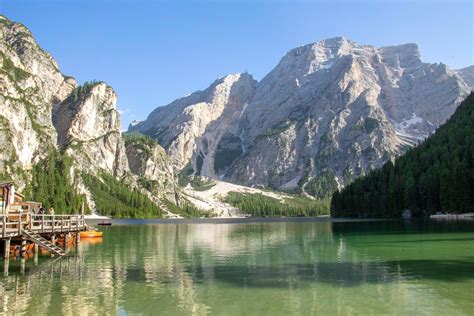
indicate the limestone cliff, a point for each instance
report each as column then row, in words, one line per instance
column 468, row 75
column 192, row 127
column 30, row 84
column 89, row 129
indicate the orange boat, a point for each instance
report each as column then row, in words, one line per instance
column 90, row 234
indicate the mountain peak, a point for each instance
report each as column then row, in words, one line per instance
column 403, row 49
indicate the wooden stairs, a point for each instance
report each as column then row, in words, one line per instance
column 42, row 242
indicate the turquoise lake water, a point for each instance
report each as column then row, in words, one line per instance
column 248, row 267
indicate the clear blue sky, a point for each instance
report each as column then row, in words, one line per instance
column 152, row 52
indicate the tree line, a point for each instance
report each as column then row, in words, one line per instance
column 259, row 205
column 437, row 175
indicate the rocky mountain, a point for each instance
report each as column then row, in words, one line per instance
column 30, row 85
column 327, row 113
column 468, row 75
column 43, row 110
column 191, row 128
column 89, row 129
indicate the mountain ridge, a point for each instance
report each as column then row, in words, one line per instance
column 301, row 117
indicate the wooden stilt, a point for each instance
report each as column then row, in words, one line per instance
column 66, row 241
column 6, row 264
column 23, row 247
column 6, row 252
column 35, row 258
column 53, row 241
column 22, row 265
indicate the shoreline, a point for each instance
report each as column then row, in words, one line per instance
column 230, row 220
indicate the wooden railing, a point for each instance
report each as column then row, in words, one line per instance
column 11, row 225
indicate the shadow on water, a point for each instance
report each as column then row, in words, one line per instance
column 390, row 227
column 417, row 241
column 343, row 274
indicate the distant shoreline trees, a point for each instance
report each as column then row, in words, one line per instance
column 260, row 205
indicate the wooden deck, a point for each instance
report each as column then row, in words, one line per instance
column 24, row 220
column 11, row 226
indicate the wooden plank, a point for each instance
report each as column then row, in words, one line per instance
column 4, row 226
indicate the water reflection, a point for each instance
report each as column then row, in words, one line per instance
column 264, row 268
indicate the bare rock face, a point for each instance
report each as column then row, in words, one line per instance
column 88, row 126
column 468, row 75
column 337, row 109
column 192, row 127
column 328, row 112
column 150, row 163
column 30, row 83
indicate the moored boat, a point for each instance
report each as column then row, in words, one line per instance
column 105, row 223
column 91, row 234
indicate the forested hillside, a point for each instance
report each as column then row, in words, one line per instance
column 436, row 175
column 51, row 184
column 117, row 199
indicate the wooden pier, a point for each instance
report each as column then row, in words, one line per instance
column 23, row 221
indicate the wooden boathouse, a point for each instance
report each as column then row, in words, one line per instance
column 21, row 222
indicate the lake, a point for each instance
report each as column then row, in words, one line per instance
column 254, row 267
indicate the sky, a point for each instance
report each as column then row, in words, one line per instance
column 153, row 52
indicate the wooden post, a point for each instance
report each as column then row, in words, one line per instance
column 6, row 264
column 52, row 224
column 22, row 265
column 70, row 223
column 23, row 247
column 19, row 224
column 6, row 252
column 82, row 216
column 4, row 226
column 78, row 238
column 66, row 241
column 42, row 223
column 53, row 241
column 62, row 223
column 35, row 258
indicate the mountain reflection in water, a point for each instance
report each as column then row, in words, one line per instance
column 303, row 267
